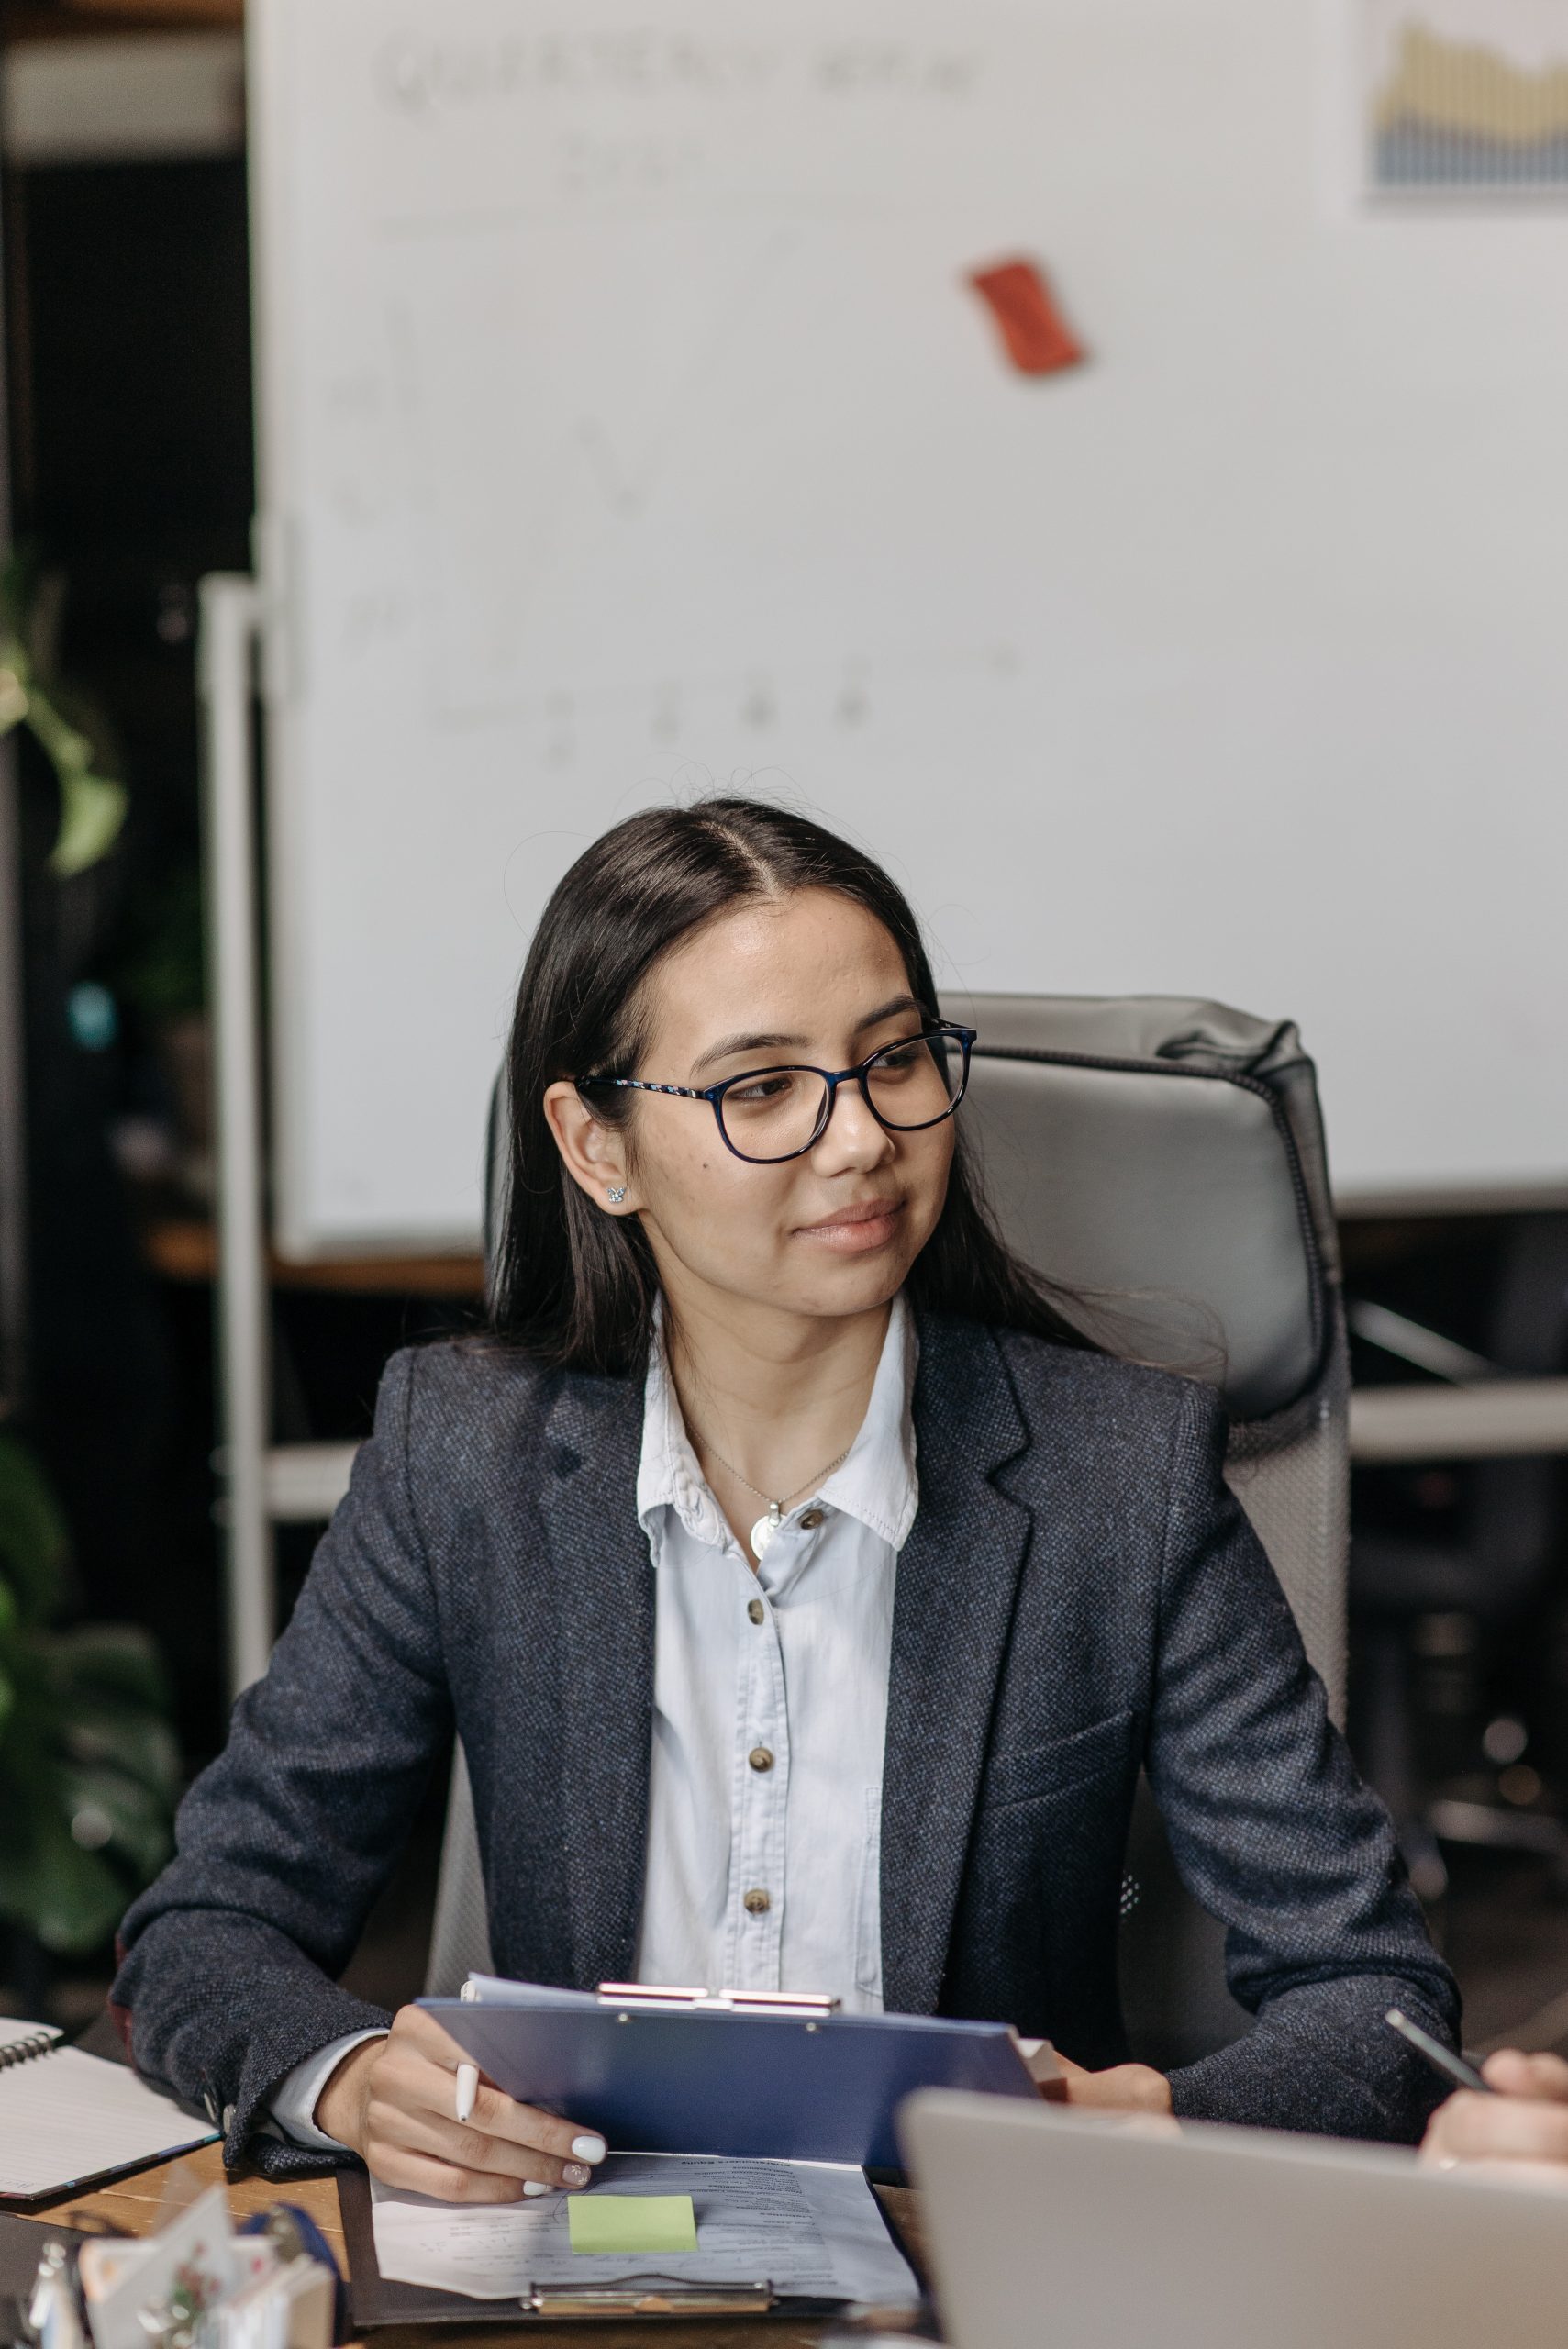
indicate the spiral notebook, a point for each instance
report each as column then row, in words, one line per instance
column 69, row 2120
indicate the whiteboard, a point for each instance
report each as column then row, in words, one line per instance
column 628, row 420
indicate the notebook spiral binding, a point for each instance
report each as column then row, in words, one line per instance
column 22, row 2051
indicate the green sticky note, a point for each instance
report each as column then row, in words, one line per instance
column 631, row 2222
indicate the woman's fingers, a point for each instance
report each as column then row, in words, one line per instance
column 416, row 2072
column 411, row 2116
column 1527, row 2121
column 497, row 2115
column 463, row 2146
column 1541, row 2077
column 1471, row 2127
column 418, row 2173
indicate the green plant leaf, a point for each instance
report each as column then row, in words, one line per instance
column 92, row 805
column 138, row 1745
column 70, row 1898
column 89, row 1767
column 92, row 812
column 112, row 1813
column 13, row 691
column 115, row 1659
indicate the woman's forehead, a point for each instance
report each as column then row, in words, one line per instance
column 795, row 965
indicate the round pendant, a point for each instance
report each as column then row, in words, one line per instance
column 763, row 1533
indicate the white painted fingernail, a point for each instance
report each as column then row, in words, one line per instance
column 589, row 2149
column 535, row 2185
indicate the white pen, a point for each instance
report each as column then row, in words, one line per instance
column 467, row 2088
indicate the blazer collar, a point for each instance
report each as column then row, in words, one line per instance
column 957, row 1577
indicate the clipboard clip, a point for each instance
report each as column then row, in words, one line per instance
column 651, row 2296
column 666, row 1998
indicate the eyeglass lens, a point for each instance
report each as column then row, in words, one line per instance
column 775, row 1114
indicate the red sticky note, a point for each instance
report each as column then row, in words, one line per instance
column 1038, row 338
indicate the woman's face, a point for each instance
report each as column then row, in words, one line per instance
column 811, row 977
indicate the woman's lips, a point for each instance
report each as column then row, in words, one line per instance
column 856, row 1231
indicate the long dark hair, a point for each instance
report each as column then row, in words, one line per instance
column 576, row 1288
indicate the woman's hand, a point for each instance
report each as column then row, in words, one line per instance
column 1126, row 2087
column 1526, row 2121
column 393, row 2102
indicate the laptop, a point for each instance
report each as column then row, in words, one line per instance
column 1044, row 2226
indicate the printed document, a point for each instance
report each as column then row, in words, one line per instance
column 812, row 2229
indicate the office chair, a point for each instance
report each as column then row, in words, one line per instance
column 1497, row 1567
column 1164, row 1161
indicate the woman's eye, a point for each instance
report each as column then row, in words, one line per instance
column 761, row 1091
column 899, row 1059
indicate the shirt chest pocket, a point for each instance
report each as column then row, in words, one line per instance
column 1061, row 1766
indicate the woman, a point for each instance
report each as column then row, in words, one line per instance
column 806, row 1595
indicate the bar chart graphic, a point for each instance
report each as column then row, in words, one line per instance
column 1466, row 98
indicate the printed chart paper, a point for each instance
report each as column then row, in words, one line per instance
column 1466, row 98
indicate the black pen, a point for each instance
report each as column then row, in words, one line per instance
column 1442, row 2059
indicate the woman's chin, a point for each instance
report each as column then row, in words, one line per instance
column 850, row 1284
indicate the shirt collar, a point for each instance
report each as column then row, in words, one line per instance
column 874, row 1484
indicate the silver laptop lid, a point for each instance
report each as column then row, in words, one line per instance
column 1052, row 2227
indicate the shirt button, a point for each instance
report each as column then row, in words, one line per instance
column 756, row 1608
column 813, row 1519
column 757, row 1903
column 760, row 1758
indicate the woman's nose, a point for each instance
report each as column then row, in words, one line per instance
column 852, row 1137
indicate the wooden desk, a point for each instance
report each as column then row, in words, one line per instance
column 184, row 1248
column 133, row 2205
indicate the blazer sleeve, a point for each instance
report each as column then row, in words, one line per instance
column 229, row 1960
column 1275, row 1834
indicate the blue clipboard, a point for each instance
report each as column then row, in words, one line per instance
column 787, row 2081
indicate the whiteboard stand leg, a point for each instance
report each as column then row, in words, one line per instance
column 225, row 666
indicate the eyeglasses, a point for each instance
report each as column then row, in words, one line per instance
column 774, row 1114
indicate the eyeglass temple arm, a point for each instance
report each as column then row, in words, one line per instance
column 640, row 1085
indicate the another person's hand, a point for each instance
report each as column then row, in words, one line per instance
column 1125, row 2088
column 1527, row 2121
column 392, row 2100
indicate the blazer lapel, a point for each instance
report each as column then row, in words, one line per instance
column 603, row 1583
column 958, row 1575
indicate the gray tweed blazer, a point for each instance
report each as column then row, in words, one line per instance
column 1079, row 1595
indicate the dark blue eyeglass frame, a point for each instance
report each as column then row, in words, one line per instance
column 941, row 1029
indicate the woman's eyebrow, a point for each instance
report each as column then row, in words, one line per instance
column 733, row 1045
column 773, row 1043
column 890, row 1011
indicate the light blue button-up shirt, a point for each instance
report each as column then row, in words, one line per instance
column 806, row 1687
column 765, row 1794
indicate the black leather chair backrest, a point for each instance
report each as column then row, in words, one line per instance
column 1161, row 1156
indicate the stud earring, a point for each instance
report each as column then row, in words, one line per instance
column 618, row 1195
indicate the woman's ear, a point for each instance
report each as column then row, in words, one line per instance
column 593, row 1154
